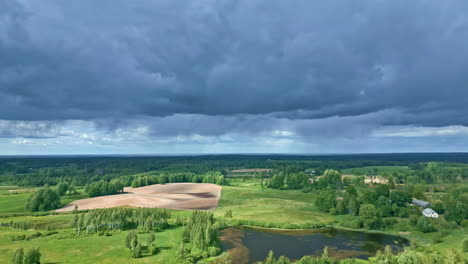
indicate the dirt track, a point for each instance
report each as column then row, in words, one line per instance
column 179, row 196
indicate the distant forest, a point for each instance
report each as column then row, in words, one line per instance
column 81, row 170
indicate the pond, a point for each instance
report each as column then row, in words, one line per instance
column 250, row 245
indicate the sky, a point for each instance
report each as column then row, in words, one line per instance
column 233, row 76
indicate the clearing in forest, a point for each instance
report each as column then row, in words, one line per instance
column 179, row 196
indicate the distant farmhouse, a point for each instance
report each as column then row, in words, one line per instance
column 420, row 203
column 375, row 179
column 428, row 212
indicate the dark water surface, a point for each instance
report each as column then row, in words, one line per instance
column 249, row 245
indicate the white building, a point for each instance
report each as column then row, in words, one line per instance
column 428, row 212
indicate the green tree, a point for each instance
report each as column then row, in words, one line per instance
column 152, row 249
column 351, row 191
column 457, row 211
column 382, row 190
column 353, row 206
column 277, row 181
column 425, row 225
column 331, row 179
column 75, row 221
column 438, row 207
column 43, row 200
column 130, row 240
column 62, row 188
column 401, row 198
column 465, row 244
column 151, row 238
column 391, row 183
column 80, row 223
column 326, row 200
column 32, row 256
column 370, row 216
column 18, row 256
column 136, row 251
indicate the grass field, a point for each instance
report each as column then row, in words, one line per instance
column 67, row 248
column 249, row 202
column 13, row 203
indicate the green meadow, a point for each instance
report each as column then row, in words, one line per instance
column 249, row 203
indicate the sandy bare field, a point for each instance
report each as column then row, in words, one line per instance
column 179, row 196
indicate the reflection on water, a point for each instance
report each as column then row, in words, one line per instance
column 249, row 245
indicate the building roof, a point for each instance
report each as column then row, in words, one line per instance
column 428, row 211
column 421, row 203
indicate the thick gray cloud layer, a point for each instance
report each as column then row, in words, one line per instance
column 213, row 67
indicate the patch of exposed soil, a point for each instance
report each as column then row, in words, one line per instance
column 179, row 196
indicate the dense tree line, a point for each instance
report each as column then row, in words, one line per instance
column 144, row 219
column 104, row 188
column 163, row 178
column 283, row 179
column 82, row 171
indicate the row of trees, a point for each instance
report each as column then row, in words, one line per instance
column 144, row 219
column 209, row 177
column 413, row 256
column 330, row 180
column 418, row 256
column 324, row 259
column 104, row 188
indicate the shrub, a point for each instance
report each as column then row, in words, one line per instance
column 413, row 219
column 153, row 250
column 390, row 221
column 425, row 225
column 465, row 245
column 464, row 223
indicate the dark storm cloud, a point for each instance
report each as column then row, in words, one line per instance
column 234, row 62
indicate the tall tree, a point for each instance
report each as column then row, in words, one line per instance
column 18, row 256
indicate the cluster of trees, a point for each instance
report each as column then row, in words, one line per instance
column 331, row 180
column 104, row 188
column 44, row 199
column 455, row 205
column 63, row 187
column 136, row 247
column 371, row 205
column 16, row 225
column 144, row 219
column 209, row 177
column 200, row 237
column 324, row 259
column 30, row 256
column 415, row 256
column 287, row 180
column 132, row 243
